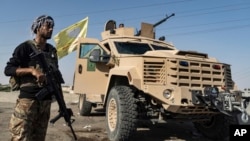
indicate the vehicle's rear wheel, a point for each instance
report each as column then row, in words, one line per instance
column 216, row 128
column 85, row 106
column 121, row 113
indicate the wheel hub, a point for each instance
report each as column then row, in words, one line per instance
column 112, row 114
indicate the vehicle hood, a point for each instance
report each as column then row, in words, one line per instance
column 179, row 54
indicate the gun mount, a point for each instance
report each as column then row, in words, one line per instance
column 147, row 30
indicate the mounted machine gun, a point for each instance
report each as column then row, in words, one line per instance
column 147, row 30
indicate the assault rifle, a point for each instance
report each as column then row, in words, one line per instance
column 53, row 86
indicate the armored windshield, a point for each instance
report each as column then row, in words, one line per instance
column 132, row 48
column 137, row 48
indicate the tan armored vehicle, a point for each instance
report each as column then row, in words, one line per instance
column 135, row 77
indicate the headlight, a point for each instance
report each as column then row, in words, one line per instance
column 167, row 93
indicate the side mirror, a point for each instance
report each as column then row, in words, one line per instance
column 95, row 55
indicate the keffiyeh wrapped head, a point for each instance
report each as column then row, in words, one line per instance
column 39, row 21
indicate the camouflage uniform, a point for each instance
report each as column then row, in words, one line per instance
column 30, row 120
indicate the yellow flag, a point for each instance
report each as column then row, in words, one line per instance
column 66, row 40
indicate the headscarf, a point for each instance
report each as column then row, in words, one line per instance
column 38, row 22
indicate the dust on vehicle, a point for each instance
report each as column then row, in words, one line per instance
column 135, row 77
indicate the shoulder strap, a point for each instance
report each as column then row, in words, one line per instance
column 33, row 45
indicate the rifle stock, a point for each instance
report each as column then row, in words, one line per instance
column 54, row 87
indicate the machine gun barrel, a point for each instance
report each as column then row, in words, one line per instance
column 156, row 24
column 163, row 20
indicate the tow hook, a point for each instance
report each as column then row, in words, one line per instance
column 225, row 102
column 244, row 117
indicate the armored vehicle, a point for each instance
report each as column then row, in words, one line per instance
column 135, row 77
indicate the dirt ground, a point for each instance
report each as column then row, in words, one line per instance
column 92, row 128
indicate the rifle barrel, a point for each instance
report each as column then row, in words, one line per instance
column 56, row 89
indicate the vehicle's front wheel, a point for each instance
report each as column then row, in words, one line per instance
column 121, row 113
column 85, row 106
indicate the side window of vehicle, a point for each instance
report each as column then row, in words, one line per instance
column 86, row 49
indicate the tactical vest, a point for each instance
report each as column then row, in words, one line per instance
column 51, row 58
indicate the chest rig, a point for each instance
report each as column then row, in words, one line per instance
column 51, row 58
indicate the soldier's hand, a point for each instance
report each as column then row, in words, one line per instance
column 40, row 77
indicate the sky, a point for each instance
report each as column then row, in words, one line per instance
column 219, row 28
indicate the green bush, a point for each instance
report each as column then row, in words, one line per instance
column 5, row 88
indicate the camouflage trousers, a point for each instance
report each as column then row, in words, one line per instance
column 29, row 121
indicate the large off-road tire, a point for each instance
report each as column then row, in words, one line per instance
column 85, row 106
column 216, row 128
column 121, row 113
